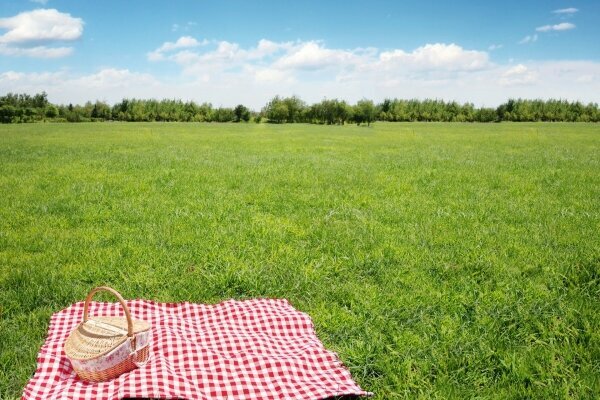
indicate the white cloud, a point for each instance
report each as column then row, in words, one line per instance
column 493, row 47
column 181, row 43
column 519, row 69
column 226, row 73
column 225, row 52
column 570, row 10
column 109, row 84
column 112, row 78
column 313, row 56
column 222, row 57
column 36, row 52
column 271, row 61
column 563, row 26
column 255, row 85
column 108, row 78
column 518, row 75
column 42, row 2
column 587, row 78
column 29, row 33
column 271, row 75
column 268, row 47
column 529, row 39
column 43, row 25
column 438, row 56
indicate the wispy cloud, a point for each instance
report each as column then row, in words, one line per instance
column 563, row 26
column 570, row 10
column 42, row 2
column 183, row 27
column 181, row 43
column 35, row 52
column 529, row 39
column 518, row 75
column 493, row 47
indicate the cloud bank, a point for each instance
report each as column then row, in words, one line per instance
column 226, row 73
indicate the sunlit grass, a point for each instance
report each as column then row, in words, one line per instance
column 438, row 260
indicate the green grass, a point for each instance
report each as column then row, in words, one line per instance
column 438, row 260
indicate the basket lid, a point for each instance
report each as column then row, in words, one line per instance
column 99, row 335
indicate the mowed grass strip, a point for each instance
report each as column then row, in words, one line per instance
column 438, row 260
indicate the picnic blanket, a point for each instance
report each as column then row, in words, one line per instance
column 253, row 349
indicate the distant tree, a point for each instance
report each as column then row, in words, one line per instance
column 40, row 100
column 241, row 113
column 223, row 114
column 204, row 113
column 279, row 113
column 276, row 110
column 51, row 111
column 22, row 108
column 486, row 115
column 364, row 111
column 94, row 112
column 8, row 114
column 386, row 106
column 295, row 108
column 102, row 110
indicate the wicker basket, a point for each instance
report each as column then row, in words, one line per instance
column 102, row 348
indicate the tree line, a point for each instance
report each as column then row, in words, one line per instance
column 22, row 108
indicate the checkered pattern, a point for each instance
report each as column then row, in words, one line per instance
column 254, row 349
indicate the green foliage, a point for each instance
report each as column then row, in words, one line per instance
column 364, row 111
column 329, row 112
column 52, row 111
column 241, row 113
column 223, row 114
column 167, row 111
column 24, row 108
column 486, row 115
column 438, row 260
column 277, row 110
column 16, row 108
column 550, row 110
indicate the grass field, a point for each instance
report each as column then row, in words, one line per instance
column 438, row 260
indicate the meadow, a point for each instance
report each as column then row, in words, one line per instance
column 439, row 260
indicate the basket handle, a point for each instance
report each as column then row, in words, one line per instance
column 118, row 296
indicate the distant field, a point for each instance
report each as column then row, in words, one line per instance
column 438, row 260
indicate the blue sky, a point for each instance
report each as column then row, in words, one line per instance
column 226, row 52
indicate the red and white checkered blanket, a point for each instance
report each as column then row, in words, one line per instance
column 253, row 349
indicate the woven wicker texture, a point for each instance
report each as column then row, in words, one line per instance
column 97, row 336
column 110, row 373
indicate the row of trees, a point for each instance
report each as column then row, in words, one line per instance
column 292, row 109
column 17, row 108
